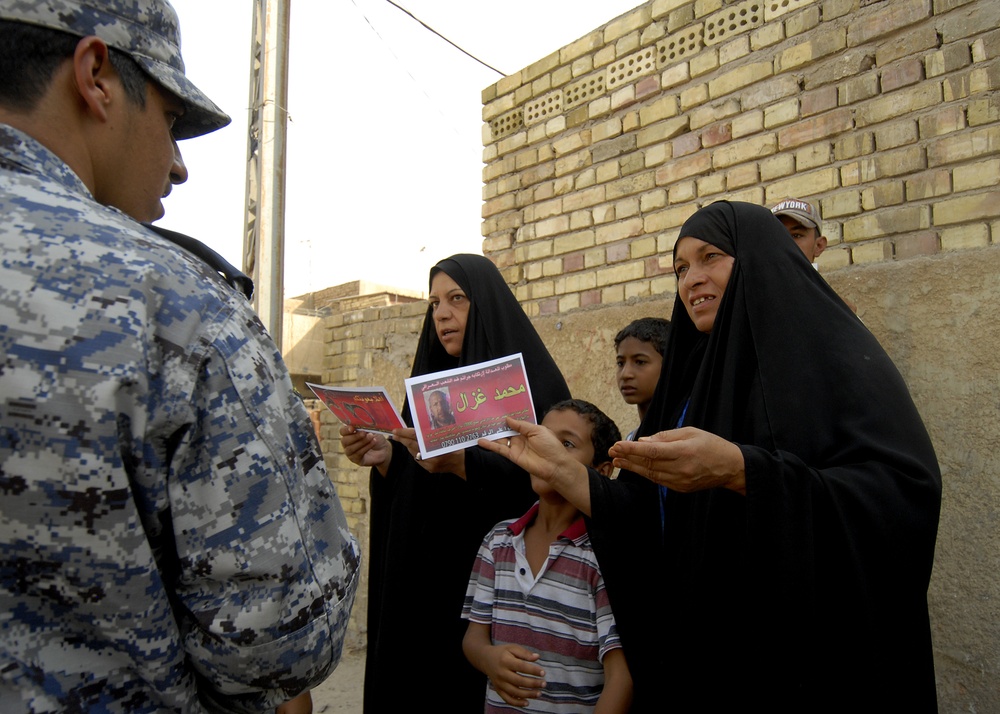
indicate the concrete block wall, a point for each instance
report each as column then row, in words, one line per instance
column 373, row 346
column 886, row 113
column 934, row 314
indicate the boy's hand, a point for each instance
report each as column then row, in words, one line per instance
column 366, row 449
column 616, row 698
column 507, row 667
column 510, row 668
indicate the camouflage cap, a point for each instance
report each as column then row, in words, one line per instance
column 146, row 30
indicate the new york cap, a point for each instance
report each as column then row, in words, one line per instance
column 146, row 30
column 802, row 211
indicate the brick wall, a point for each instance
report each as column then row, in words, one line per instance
column 886, row 113
column 369, row 347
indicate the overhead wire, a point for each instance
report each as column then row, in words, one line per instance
column 403, row 65
column 457, row 47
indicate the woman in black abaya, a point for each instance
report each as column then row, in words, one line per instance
column 801, row 498
column 429, row 517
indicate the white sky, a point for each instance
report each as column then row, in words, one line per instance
column 384, row 172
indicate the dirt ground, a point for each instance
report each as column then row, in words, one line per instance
column 343, row 691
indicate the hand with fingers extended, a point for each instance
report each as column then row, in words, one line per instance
column 451, row 463
column 510, row 668
column 366, row 449
column 536, row 450
column 539, row 452
column 684, row 460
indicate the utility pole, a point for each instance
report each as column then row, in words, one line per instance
column 263, row 238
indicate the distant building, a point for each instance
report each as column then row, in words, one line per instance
column 302, row 339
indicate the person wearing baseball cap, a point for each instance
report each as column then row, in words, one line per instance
column 134, row 43
column 146, row 30
column 802, row 221
column 170, row 539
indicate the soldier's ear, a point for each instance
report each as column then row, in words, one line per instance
column 93, row 76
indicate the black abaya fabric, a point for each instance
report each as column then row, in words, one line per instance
column 809, row 593
column 426, row 528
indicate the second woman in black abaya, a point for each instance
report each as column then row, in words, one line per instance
column 427, row 527
column 797, row 581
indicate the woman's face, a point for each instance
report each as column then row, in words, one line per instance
column 450, row 311
column 702, row 275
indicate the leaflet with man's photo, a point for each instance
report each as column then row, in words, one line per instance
column 364, row 408
column 454, row 408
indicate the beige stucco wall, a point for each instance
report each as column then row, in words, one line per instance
column 937, row 319
column 884, row 112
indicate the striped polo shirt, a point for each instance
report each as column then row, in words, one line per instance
column 562, row 613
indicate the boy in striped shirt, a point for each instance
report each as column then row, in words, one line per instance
column 540, row 626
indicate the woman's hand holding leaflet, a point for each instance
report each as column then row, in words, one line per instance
column 452, row 463
column 366, row 449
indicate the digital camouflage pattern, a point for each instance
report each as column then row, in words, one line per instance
column 146, row 30
column 169, row 538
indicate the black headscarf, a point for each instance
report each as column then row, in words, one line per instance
column 496, row 327
column 808, row 593
column 425, row 528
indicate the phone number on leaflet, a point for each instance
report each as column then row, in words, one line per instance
column 445, row 443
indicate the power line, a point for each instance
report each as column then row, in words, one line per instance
column 415, row 81
column 460, row 49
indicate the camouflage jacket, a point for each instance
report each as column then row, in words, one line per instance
column 169, row 537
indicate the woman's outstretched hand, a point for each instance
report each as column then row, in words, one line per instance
column 537, row 450
column 684, row 460
column 366, row 449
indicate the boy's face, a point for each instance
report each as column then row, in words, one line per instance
column 575, row 432
column 809, row 241
column 638, row 371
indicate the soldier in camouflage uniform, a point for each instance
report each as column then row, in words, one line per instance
column 169, row 537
